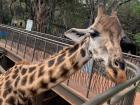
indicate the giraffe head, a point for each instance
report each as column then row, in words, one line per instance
column 104, row 43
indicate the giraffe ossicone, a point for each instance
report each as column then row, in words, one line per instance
column 99, row 41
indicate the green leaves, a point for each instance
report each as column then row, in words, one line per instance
column 137, row 39
column 135, row 7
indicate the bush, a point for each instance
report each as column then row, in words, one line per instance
column 137, row 39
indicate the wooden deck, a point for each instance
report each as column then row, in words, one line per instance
column 78, row 81
column 137, row 99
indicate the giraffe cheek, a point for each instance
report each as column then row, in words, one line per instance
column 111, row 75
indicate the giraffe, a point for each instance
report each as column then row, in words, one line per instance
column 99, row 41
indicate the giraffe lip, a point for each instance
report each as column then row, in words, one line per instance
column 119, row 78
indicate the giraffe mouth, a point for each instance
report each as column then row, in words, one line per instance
column 116, row 75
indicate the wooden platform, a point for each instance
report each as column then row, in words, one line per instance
column 137, row 99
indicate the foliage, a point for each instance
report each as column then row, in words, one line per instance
column 64, row 14
column 137, row 39
column 129, row 14
column 72, row 14
column 135, row 8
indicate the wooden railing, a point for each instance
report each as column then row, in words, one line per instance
column 87, row 82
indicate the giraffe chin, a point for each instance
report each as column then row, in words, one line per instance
column 119, row 78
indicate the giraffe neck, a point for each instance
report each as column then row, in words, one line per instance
column 60, row 67
column 29, row 80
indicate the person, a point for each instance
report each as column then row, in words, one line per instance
column 127, row 45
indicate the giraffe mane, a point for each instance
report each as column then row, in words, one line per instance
column 60, row 52
column 22, row 62
column 108, row 22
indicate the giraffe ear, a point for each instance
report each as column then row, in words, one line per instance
column 76, row 34
column 101, row 10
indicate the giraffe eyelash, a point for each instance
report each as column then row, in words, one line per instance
column 95, row 34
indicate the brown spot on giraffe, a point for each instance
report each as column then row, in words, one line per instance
column 24, row 80
column 41, row 71
column 15, row 92
column 31, row 78
column 14, row 76
column 73, row 49
column 1, row 84
column 10, row 100
column 31, row 69
column 43, row 84
column 82, row 52
column 16, row 70
column 33, row 91
column 60, row 59
column 7, row 77
column 7, row 84
column 15, row 67
column 17, row 81
column 23, row 71
column 51, row 72
column 51, row 62
column 1, row 101
column 72, row 59
column 22, row 92
column 7, row 91
column 76, row 66
column 64, row 71
column 53, row 79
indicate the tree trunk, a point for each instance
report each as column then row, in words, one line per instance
column 50, row 15
column 102, row 1
column 92, row 12
column 40, row 10
column 116, row 4
column 1, row 12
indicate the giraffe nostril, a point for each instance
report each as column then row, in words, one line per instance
column 120, row 63
column 116, row 63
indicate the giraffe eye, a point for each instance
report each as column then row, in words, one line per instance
column 94, row 34
column 78, row 33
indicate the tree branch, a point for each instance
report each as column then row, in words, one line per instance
column 116, row 4
column 121, row 3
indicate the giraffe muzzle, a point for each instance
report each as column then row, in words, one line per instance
column 119, row 76
column 117, row 73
